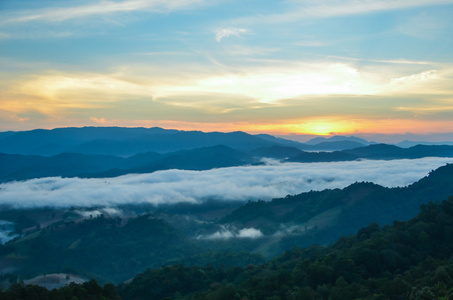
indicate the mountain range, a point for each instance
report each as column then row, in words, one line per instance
column 113, row 244
column 405, row 260
column 124, row 142
column 23, row 167
column 113, row 151
column 79, row 241
column 119, row 141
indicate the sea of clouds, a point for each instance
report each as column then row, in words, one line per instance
column 236, row 183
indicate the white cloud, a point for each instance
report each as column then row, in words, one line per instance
column 106, row 211
column 292, row 79
column 227, row 32
column 289, row 81
column 235, row 184
column 269, row 83
column 250, row 233
column 222, row 234
column 419, row 83
column 225, row 234
column 416, row 78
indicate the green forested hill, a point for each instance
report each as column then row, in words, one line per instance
column 321, row 217
column 100, row 247
column 408, row 260
column 112, row 249
column 89, row 290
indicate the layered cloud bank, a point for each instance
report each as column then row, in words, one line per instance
column 235, row 184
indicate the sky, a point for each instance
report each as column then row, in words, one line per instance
column 291, row 67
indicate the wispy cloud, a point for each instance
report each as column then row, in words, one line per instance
column 233, row 184
column 227, row 32
column 279, row 91
column 250, row 50
column 416, row 78
column 351, row 7
column 265, row 84
column 383, row 61
column 300, row 9
column 403, row 61
column 59, row 14
column 100, row 121
column 424, row 26
column 437, row 82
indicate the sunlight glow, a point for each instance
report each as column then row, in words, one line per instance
column 272, row 84
column 324, row 127
column 321, row 128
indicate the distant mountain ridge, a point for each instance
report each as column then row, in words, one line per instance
column 407, row 144
column 114, row 151
column 376, row 151
column 338, row 138
column 125, row 141
column 121, row 141
column 22, row 167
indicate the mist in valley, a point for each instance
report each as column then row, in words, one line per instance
column 225, row 184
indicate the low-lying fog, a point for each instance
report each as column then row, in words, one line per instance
column 236, row 183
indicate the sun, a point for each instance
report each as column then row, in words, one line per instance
column 324, row 127
column 320, row 129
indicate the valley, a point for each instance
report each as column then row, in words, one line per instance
column 106, row 216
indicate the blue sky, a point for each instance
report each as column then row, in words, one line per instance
column 281, row 67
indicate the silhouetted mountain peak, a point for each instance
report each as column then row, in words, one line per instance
column 337, row 138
